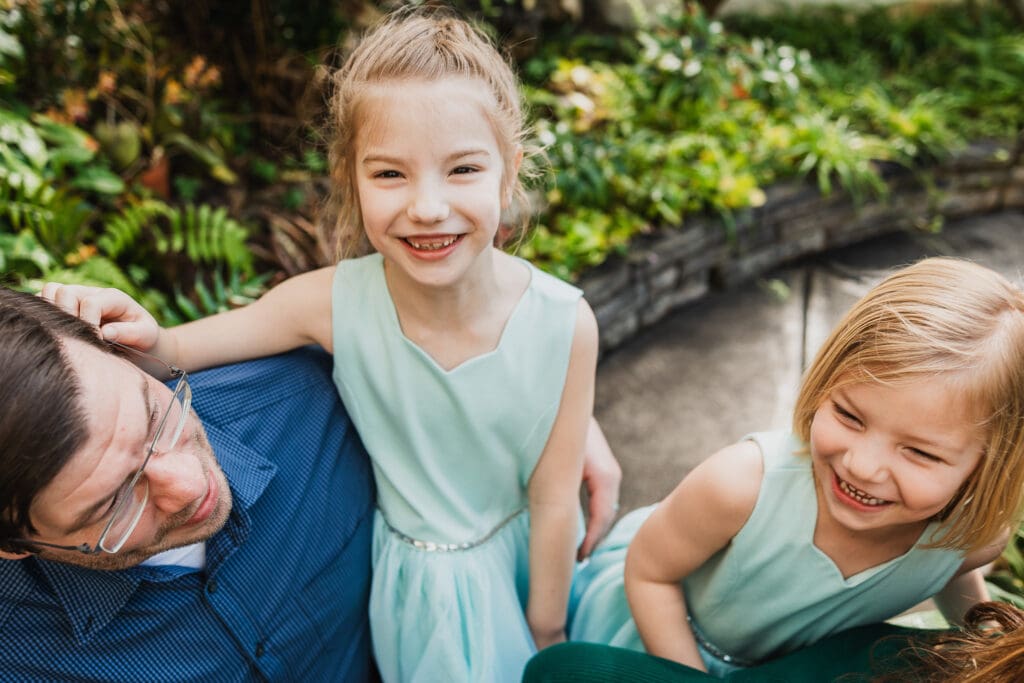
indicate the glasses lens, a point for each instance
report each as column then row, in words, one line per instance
column 173, row 421
column 126, row 516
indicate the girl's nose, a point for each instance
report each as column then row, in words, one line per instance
column 428, row 207
column 865, row 462
column 176, row 480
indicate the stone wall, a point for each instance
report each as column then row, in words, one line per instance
column 678, row 266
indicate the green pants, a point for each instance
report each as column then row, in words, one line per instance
column 856, row 655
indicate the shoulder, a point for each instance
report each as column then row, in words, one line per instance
column 313, row 283
column 548, row 285
column 979, row 557
column 732, row 476
column 586, row 333
column 228, row 392
column 714, row 501
column 728, row 483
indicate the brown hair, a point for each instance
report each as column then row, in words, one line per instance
column 42, row 424
column 425, row 45
column 989, row 650
column 942, row 317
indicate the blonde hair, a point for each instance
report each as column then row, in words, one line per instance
column 949, row 318
column 421, row 45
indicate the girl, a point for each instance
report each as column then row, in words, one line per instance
column 468, row 373
column 903, row 475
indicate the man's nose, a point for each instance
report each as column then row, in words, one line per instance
column 176, row 480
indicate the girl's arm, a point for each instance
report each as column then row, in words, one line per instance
column 695, row 521
column 967, row 587
column 295, row 313
column 554, row 490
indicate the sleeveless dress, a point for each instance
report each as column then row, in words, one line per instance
column 452, row 453
column 771, row 590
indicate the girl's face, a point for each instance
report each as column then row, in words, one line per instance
column 428, row 171
column 889, row 458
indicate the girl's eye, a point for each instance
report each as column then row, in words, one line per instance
column 460, row 170
column 387, row 174
column 927, row 456
column 844, row 414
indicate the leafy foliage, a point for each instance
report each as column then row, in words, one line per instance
column 126, row 172
column 1006, row 581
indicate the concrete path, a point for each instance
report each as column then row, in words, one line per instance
column 731, row 363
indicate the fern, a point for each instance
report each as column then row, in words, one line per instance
column 97, row 271
column 59, row 219
column 208, row 236
column 20, row 208
column 123, row 230
column 238, row 290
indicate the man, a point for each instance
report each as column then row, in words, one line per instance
column 214, row 528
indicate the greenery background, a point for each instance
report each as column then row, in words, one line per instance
column 170, row 147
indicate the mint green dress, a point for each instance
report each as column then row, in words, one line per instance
column 452, row 453
column 770, row 591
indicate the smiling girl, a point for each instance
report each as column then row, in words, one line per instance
column 468, row 373
column 903, row 474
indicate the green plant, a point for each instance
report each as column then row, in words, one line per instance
column 1006, row 580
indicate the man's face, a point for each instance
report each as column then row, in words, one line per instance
column 189, row 498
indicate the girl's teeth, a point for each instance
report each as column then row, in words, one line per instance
column 859, row 495
column 432, row 246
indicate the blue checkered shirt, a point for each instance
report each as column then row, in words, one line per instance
column 284, row 593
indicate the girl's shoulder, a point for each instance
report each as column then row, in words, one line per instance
column 540, row 282
column 780, row 449
column 729, row 481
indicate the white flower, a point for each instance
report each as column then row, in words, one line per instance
column 669, row 62
column 692, row 68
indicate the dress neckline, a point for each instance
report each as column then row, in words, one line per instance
column 392, row 313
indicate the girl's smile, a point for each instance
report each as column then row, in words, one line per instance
column 854, row 497
column 432, row 247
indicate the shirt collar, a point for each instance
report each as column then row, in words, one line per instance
column 92, row 598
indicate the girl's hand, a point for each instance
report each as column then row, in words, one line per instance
column 117, row 316
column 602, row 477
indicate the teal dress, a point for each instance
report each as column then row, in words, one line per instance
column 770, row 591
column 452, row 453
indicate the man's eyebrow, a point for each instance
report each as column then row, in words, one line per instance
column 85, row 517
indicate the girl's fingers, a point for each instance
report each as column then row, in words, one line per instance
column 117, row 316
column 69, row 297
column 137, row 335
column 101, row 305
column 49, row 290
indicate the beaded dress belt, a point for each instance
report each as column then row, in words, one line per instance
column 431, row 547
column 714, row 651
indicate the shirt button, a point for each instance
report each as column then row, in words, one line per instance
column 211, row 586
column 260, row 649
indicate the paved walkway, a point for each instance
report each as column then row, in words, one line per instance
column 731, row 363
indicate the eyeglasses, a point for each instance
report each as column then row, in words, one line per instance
column 130, row 500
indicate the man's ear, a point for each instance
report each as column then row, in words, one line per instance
column 13, row 556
